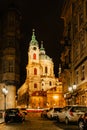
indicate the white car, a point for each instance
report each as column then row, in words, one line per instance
column 52, row 113
column 71, row 113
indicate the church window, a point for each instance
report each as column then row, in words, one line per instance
column 35, row 85
column 34, row 48
column 35, row 71
column 50, row 70
column 42, row 84
column 46, row 69
column 50, row 83
column 34, row 56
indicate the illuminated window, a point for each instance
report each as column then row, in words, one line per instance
column 34, row 56
column 35, row 71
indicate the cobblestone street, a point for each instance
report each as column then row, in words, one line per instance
column 35, row 122
column 42, row 124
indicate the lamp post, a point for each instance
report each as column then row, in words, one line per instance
column 71, row 89
column 27, row 99
column 5, row 92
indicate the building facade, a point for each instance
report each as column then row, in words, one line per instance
column 39, row 77
column 74, row 57
column 9, row 55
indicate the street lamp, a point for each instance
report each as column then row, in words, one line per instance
column 72, row 89
column 5, row 92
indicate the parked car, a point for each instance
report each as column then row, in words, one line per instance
column 13, row 114
column 82, row 122
column 61, row 114
column 23, row 111
column 44, row 112
column 71, row 114
column 52, row 113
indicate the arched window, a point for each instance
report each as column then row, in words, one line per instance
column 35, row 85
column 50, row 83
column 46, row 69
column 34, row 56
column 35, row 71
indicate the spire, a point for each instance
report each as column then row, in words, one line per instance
column 33, row 39
column 42, row 45
column 42, row 50
column 33, row 34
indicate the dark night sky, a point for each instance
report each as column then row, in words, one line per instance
column 44, row 16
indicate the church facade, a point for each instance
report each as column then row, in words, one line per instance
column 40, row 80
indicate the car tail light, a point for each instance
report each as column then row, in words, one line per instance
column 71, row 113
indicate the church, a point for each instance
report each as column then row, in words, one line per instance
column 41, row 88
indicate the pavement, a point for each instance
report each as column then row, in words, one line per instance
column 1, row 117
column 1, row 120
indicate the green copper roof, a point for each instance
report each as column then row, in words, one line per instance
column 42, row 46
column 42, row 50
column 33, row 40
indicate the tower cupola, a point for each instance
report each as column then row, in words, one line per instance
column 33, row 41
column 42, row 50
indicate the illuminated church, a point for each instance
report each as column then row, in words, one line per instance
column 41, row 88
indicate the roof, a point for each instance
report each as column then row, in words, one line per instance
column 39, row 93
column 33, row 40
